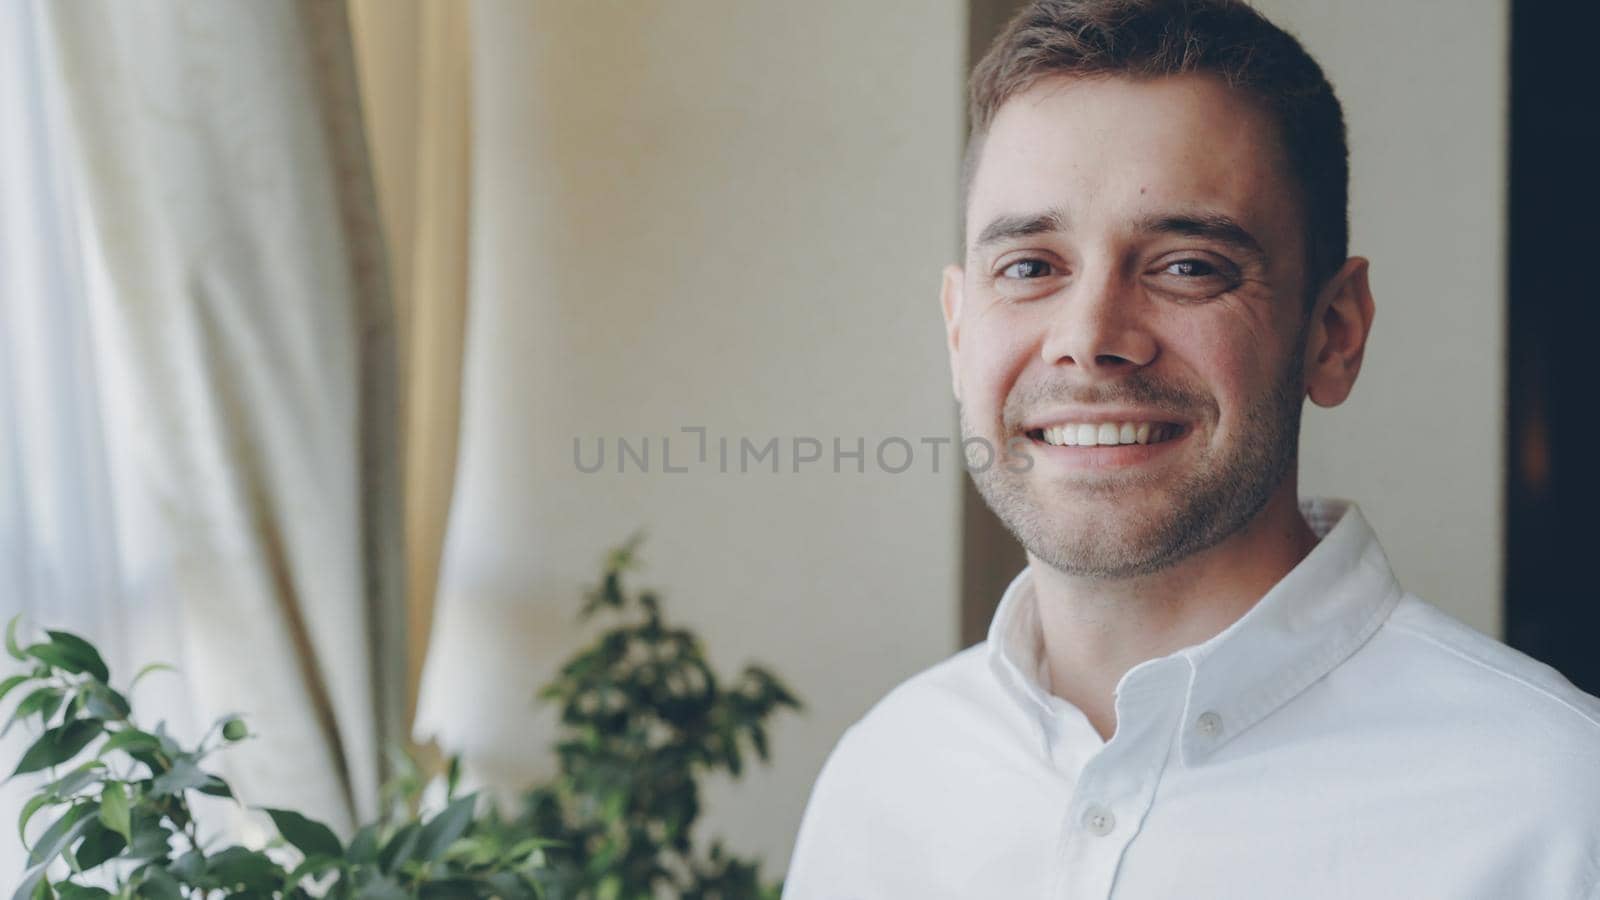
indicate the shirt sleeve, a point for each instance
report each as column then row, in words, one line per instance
column 821, row 866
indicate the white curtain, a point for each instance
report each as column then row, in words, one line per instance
column 198, row 449
column 58, row 549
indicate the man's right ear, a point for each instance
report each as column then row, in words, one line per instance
column 950, row 300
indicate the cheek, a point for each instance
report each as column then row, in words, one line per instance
column 994, row 352
column 1234, row 364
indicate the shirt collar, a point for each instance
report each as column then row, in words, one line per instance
column 1307, row 624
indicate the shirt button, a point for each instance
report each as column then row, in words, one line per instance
column 1099, row 820
column 1209, row 724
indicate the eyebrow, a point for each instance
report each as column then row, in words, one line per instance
column 1212, row 226
column 1004, row 228
column 1219, row 227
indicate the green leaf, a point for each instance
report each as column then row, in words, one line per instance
column 59, row 835
column 99, row 844
column 44, row 701
column 58, row 745
column 69, row 891
column 106, row 703
column 399, row 848
column 151, row 838
column 114, row 811
column 34, row 804
column 130, row 740
column 310, row 837
column 237, row 867
column 313, row 867
column 82, row 653
column 10, row 684
column 151, row 669
column 54, row 657
column 383, row 888
column 36, row 877
column 190, row 868
column 443, row 830
column 11, row 638
column 158, row 885
column 216, row 787
column 184, row 775
column 511, row 886
column 364, row 846
column 235, row 730
column 70, row 784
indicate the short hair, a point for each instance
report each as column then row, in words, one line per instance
column 1156, row 38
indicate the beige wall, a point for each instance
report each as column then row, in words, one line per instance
column 1420, row 445
column 721, row 214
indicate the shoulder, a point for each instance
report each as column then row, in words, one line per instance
column 887, row 773
column 930, row 721
column 1526, row 725
column 1502, row 679
column 955, row 701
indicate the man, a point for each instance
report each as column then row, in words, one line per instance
column 1200, row 686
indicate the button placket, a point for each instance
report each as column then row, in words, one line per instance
column 1122, row 776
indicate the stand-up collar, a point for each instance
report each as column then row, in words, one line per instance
column 1302, row 628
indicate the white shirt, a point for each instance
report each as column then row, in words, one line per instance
column 1342, row 739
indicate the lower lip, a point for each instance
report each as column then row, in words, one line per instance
column 1118, row 456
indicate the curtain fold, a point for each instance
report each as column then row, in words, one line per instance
column 415, row 64
column 241, row 314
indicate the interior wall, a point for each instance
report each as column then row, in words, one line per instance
column 732, row 216
column 1420, row 444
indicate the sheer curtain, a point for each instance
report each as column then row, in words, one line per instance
column 199, row 445
column 58, row 547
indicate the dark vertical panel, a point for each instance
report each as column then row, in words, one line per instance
column 1552, row 604
column 989, row 555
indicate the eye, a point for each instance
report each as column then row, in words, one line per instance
column 1191, row 268
column 1027, row 268
column 1194, row 277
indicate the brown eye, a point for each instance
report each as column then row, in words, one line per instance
column 1027, row 268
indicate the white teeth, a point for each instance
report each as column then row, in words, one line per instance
column 1108, row 434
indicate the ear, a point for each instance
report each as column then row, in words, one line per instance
column 1337, row 337
column 950, row 300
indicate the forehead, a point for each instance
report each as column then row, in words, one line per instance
column 1109, row 148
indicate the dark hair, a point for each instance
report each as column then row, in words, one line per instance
column 1157, row 38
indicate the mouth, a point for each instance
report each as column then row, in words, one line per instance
column 1105, row 434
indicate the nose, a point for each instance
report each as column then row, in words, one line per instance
column 1099, row 326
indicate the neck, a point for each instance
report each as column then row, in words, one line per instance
column 1095, row 630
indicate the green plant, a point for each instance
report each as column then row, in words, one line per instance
column 643, row 718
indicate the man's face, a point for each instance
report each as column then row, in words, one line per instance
column 1131, row 311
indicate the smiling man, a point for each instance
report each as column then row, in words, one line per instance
column 1202, row 685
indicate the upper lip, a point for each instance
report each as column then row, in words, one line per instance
column 1098, row 415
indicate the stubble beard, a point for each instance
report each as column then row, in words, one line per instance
column 1216, row 499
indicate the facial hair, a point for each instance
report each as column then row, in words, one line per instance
column 1219, row 495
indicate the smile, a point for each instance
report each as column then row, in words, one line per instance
column 1105, row 434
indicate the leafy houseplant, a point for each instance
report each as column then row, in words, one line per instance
column 643, row 719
